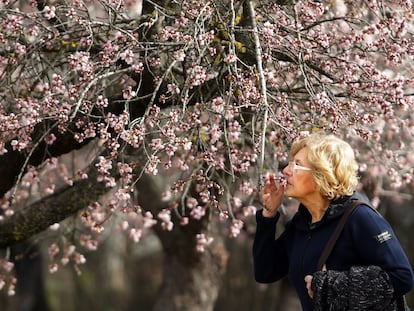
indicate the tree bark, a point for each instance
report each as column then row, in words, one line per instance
column 191, row 286
column 191, row 279
column 35, row 218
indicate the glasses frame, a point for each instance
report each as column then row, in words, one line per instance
column 297, row 167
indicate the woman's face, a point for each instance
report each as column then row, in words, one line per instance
column 300, row 183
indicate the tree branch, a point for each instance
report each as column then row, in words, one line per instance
column 35, row 218
column 263, row 88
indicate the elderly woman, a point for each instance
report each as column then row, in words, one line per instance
column 322, row 177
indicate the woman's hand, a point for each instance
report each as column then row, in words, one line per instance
column 272, row 196
column 308, row 281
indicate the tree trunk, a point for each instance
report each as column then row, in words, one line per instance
column 191, row 280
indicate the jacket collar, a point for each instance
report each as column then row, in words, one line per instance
column 302, row 218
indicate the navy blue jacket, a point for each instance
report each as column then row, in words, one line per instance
column 367, row 239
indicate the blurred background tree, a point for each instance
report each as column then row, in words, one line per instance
column 134, row 137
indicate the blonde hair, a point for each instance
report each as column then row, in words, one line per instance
column 335, row 170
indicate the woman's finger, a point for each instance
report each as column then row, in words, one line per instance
column 308, row 280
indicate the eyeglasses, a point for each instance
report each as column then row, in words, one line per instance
column 297, row 167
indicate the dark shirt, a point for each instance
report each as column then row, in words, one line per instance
column 367, row 239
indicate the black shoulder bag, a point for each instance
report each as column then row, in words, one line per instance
column 401, row 303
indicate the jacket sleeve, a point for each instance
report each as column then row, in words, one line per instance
column 377, row 244
column 270, row 260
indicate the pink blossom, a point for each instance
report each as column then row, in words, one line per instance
column 223, row 215
column 230, row 59
column 53, row 251
column 80, row 61
column 249, row 210
column 50, row 139
column 128, row 56
column 203, row 241
column 246, row 187
column 20, row 49
column 49, row 12
column 217, row 104
column 235, row 228
column 128, row 93
column 149, row 220
column 135, row 234
column 152, row 164
column 281, row 179
column 53, row 268
column 205, row 38
column 184, row 221
column 54, row 227
column 234, row 130
column 165, row 216
column 11, row 291
column 198, row 212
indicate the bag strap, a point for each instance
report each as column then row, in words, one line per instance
column 331, row 243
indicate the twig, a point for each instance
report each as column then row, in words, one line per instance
column 258, row 52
